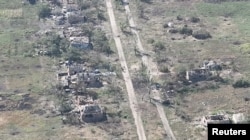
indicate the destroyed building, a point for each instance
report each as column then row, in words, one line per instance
column 80, row 42
column 197, row 75
column 92, row 113
column 73, row 32
column 75, row 68
column 205, row 71
column 211, row 65
column 72, row 74
column 216, row 119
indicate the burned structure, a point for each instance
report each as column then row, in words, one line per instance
column 208, row 69
column 80, row 42
column 71, row 74
column 92, row 113
column 216, row 119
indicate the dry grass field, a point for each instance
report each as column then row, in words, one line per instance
column 227, row 22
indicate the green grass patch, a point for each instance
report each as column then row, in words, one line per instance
column 245, row 48
column 227, row 9
column 13, row 4
column 238, row 11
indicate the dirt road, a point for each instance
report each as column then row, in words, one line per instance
column 126, row 75
column 151, row 68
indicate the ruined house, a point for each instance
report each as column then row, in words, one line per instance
column 64, row 82
column 72, row 75
column 78, row 73
column 92, row 80
column 74, row 32
column 205, row 71
column 211, row 65
column 83, row 100
column 92, row 113
column 80, row 42
column 238, row 118
column 75, row 68
column 197, row 75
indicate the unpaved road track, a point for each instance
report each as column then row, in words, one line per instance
column 151, row 68
column 125, row 73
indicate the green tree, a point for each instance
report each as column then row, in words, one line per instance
column 72, row 55
column 55, row 45
column 56, row 2
column 100, row 42
column 101, row 16
column 44, row 12
column 32, row 2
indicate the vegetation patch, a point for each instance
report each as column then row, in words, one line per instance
column 241, row 84
column 245, row 48
column 201, row 34
column 11, row 13
column 44, row 12
column 185, row 30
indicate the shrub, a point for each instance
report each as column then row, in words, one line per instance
column 186, row 31
column 72, row 55
column 163, row 68
column 245, row 48
column 237, row 43
column 201, row 34
column 165, row 25
column 159, row 46
column 179, row 18
column 101, row 16
column 72, row 119
column 100, row 42
column 195, row 19
column 83, row 4
column 32, row 1
column 151, row 41
column 44, row 12
column 173, row 31
column 65, row 108
column 241, row 84
column 183, row 115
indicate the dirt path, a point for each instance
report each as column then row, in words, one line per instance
column 151, row 69
column 126, row 75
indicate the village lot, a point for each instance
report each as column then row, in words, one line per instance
column 20, row 76
column 23, row 79
column 227, row 23
column 30, row 108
